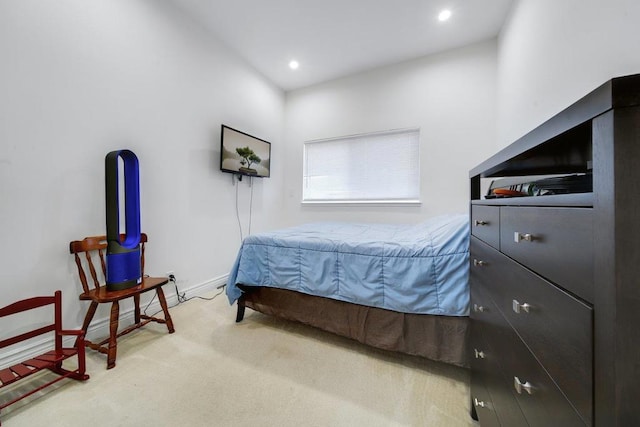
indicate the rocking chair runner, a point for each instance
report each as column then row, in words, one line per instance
column 99, row 294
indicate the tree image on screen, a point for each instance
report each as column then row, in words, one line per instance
column 248, row 158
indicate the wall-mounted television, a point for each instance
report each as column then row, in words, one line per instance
column 244, row 154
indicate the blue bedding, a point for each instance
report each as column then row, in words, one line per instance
column 421, row 269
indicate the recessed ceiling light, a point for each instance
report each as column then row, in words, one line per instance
column 293, row 64
column 444, row 15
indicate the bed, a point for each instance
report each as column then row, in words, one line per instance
column 396, row 287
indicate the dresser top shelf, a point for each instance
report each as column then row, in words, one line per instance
column 568, row 200
column 562, row 144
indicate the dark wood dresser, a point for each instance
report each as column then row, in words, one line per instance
column 555, row 269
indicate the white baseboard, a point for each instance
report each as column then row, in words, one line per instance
column 100, row 327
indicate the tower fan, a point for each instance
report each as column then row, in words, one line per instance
column 123, row 249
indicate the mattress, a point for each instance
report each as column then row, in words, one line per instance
column 420, row 269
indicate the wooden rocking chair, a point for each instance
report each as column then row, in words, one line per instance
column 51, row 360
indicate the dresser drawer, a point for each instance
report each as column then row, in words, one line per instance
column 486, row 364
column 502, row 402
column 540, row 400
column 481, row 401
column 485, row 224
column 557, row 243
column 555, row 326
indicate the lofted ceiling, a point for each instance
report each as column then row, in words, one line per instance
column 335, row 38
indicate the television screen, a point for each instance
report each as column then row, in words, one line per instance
column 243, row 154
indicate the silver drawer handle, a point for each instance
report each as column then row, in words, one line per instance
column 518, row 237
column 479, row 263
column 519, row 386
column 517, row 306
column 478, row 222
column 478, row 308
column 479, row 354
column 479, row 403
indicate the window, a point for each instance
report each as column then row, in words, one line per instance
column 379, row 167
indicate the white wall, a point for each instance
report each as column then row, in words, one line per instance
column 449, row 96
column 552, row 53
column 79, row 79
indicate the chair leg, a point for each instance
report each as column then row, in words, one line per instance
column 113, row 335
column 88, row 318
column 82, row 363
column 165, row 308
column 136, row 308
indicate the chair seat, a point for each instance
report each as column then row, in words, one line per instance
column 101, row 294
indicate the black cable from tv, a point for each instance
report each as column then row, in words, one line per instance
column 250, row 208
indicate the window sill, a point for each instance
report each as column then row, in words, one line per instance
column 409, row 203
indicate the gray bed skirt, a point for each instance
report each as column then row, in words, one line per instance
column 439, row 338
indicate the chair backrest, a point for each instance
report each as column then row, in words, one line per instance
column 29, row 304
column 94, row 248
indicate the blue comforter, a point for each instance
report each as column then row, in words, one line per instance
column 422, row 269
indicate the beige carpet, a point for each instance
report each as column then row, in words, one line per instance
column 261, row 372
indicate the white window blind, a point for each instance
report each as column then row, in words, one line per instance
column 374, row 167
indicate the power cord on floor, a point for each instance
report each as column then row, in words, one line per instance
column 182, row 297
